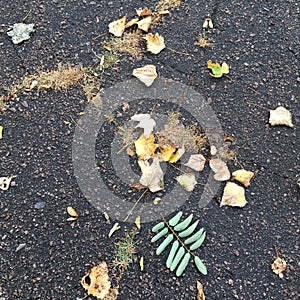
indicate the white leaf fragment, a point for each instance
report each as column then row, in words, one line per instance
column 145, row 74
column 145, row 122
column 20, row 32
column 280, row 116
column 196, row 162
column 114, row 228
column 220, row 168
column 5, row 182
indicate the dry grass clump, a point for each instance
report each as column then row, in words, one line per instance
column 167, row 4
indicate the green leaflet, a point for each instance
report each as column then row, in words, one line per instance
column 172, row 253
column 177, row 258
column 200, row 266
column 158, row 226
column 175, row 219
column 159, row 235
column 164, row 244
column 183, row 264
column 184, row 224
column 189, row 230
column 194, row 237
column 198, row 243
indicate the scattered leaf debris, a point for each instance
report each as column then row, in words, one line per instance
column 278, row 266
column 233, row 195
column 20, row 32
column 97, row 282
column 280, row 116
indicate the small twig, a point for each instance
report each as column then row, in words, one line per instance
column 29, row 12
column 251, row 103
column 252, row 89
column 229, row 78
column 178, row 52
column 135, row 204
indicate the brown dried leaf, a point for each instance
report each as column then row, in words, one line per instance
column 155, row 43
column 196, row 162
column 145, row 74
column 143, row 12
column 98, row 283
column 200, row 293
column 117, row 27
column 233, row 195
column 243, row 176
column 278, row 266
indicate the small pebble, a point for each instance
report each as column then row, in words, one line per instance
column 40, row 205
column 21, row 246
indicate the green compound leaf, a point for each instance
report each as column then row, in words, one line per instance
column 180, row 255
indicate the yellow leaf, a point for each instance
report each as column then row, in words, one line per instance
column 5, row 182
column 1, row 130
column 72, row 212
column 200, row 293
column 145, row 74
column 243, row 176
column 220, row 168
column 156, row 200
column 142, row 263
column 145, row 147
column 155, row 43
column 145, row 23
column 233, row 195
column 117, row 27
column 280, row 116
column 278, row 266
column 196, row 162
column 188, row 181
column 97, row 282
column 177, row 155
column 138, row 222
column 114, row 228
column 131, row 22
column 217, row 70
column 166, row 152
column 143, row 12
column 81, row 113
column 67, row 122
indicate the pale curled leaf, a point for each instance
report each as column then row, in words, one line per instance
column 243, row 176
column 200, row 292
column 138, row 222
column 278, row 266
column 145, row 23
column 146, row 74
column 281, row 116
column 152, row 175
column 1, row 130
column 233, row 195
column 196, row 162
column 188, row 181
column 145, row 122
column 155, row 43
column 117, row 27
column 114, row 228
column 106, row 216
column 142, row 263
column 20, row 32
column 5, row 182
column 98, row 283
column 72, row 212
column 208, row 23
column 220, row 168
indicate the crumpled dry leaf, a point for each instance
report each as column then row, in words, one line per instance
column 72, row 212
column 278, row 266
column 20, row 32
column 243, row 176
column 177, row 155
column 145, row 23
column 196, row 162
column 233, row 195
column 166, row 152
column 143, row 12
column 131, row 22
column 188, row 181
column 208, row 23
column 145, row 122
column 114, row 229
column 5, row 182
column 146, row 74
column 280, row 116
column 145, row 146
column 200, row 293
column 155, row 43
column 220, row 168
column 217, row 70
column 152, row 175
column 1, row 130
column 117, row 27
column 97, row 282
column 138, row 222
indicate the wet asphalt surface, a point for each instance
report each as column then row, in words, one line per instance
column 260, row 42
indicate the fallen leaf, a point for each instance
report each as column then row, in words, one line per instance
column 188, row 181
column 145, row 122
column 142, row 263
column 233, row 195
column 217, row 70
column 152, row 175
column 177, row 155
column 145, row 23
column 143, row 12
column 156, row 200
column 97, row 282
column 196, row 162
column 278, row 266
column 20, row 32
column 220, row 168
column 280, row 116
column 208, row 23
column 5, row 182
column 1, row 130
column 130, row 152
column 243, row 176
column 131, row 22
column 155, row 43
column 145, row 146
column 117, row 27
column 72, row 212
column 106, row 216
column 138, row 222
column 114, row 228
column 166, row 152
column 200, row 293
column 146, row 74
